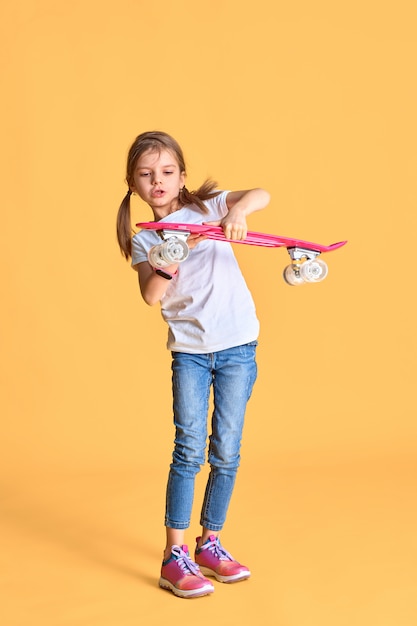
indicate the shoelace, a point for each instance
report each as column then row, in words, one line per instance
column 186, row 564
column 217, row 549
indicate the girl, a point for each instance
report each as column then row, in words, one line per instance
column 213, row 331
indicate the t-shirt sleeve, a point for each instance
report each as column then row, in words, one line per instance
column 218, row 205
column 139, row 253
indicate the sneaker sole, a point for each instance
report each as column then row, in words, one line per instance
column 224, row 579
column 186, row 593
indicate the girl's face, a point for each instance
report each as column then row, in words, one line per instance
column 157, row 179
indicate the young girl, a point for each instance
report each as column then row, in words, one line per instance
column 212, row 336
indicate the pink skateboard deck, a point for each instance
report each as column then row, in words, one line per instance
column 253, row 238
column 304, row 268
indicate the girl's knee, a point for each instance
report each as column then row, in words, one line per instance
column 187, row 458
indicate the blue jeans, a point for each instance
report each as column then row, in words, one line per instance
column 232, row 373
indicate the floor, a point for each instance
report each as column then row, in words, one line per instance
column 329, row 542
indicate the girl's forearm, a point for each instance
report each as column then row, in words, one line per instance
column 249, row 201
column 152, row 285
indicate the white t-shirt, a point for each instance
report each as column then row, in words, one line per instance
column 207, row 305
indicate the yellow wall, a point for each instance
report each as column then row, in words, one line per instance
column 313, row 101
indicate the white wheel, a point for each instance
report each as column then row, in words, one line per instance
column 313, row 271
column 292, row 275
column 173, row 250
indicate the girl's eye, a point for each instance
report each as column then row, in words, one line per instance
column 145, row 173
column 168, row 172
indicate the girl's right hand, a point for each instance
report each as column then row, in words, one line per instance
column 194, row 239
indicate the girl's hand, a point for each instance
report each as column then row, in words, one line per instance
column 194, row 239
column 233, row 224
column 240, row 204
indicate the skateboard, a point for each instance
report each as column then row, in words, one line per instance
column 305, row 267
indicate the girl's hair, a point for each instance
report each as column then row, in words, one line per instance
column 156, row 141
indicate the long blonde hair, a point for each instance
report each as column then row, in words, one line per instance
column 156, row 141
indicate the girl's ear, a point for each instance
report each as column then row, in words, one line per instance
column 183, row 177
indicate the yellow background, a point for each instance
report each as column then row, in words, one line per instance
column 316, row 102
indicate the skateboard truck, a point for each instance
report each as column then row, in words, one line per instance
column 304, row 267
column 174, row 249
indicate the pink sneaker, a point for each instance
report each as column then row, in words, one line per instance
column 215, row 561
column 182, row 576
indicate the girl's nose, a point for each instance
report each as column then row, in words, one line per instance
column 156, row 179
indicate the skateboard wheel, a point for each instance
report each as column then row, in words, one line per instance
column 313, row 271
column 292, row 275
column 173, row 250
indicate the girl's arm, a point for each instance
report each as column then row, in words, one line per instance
column 240, row 205
column 152, row 286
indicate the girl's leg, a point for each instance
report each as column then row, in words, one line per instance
column 174, row 537
column 235, row 373
column 191, row 381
